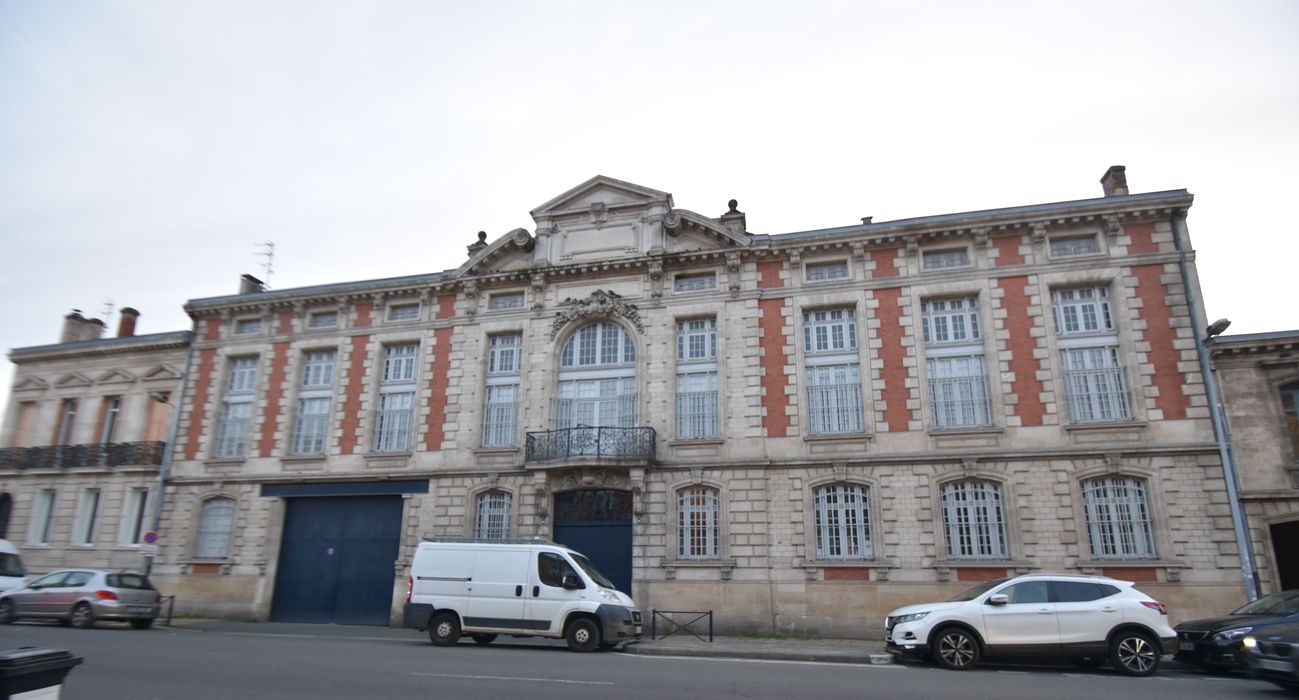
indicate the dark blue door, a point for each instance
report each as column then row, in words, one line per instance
column 597, row 523
column 336, row 560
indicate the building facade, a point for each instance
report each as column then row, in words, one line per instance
column 1258, row 382
column 796, row 431
column 84, row 437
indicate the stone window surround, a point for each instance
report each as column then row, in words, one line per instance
column 1014, row 543
column 874, row 529
column 671, row 561
column 800, row 306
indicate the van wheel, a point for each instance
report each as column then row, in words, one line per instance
column 444, row 630
column 956, row 649
column 82, row 616
column 583, row 635
column 6, row 611
column 483, row 639
column 1134, row 653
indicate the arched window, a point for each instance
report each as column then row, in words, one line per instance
column 1118, row 518
column 842, row 522
column 493, row 515
column 216, row 525
column 597, row 378
column 974, row 519
column 698, row 523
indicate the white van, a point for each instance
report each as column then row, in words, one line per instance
column 12, row 572
column 523, row 588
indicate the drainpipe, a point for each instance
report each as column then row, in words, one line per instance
column 169, row 448
column 1220, row 431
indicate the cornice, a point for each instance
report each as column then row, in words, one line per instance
column 101, row 347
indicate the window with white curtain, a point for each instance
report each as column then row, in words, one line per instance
column 215, row 528
column 87, row 517
column 841, row 514
column 41, row 526
column 974, row 519
column 1117, row 510
column 699, row 530
column 697, row 379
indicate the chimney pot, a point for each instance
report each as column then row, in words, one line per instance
column 250, row 285
column 126, row 323
column 1115, row 181
column 72, row 327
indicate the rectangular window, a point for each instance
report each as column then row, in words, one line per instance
column 1118, row 518
column 829, row 331
column 403, row 312
column 318, row 368
column 945, row 259
column 311, row 425
column 974, row 520
column 159, row 412
column 109, row 410
column 216, row 528
column 248, row 326
column 505, row 300
column 1065, row 246
column 26, row 424
column 1095, row 389
column 697, row 405
column 694, row 283
column 698, row 523
column 322, row 319
column 396, row 399
column 842, row 521
column 236, row 409
column 500, row 408
column 493, row 516
column 823, row 271
column 834, row 399
column 958, row 390
column 950, row 320
column 67, row 420
column 697, row 339
column 41, row 526
column 87, row 517
column 135, row 517
column 503, row 353
column 1083, row 310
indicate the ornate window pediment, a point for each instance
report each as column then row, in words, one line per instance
column 599, row 304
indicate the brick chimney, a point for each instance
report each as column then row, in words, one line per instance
column 126, row 323
column 1115, row 181
column 77, row 327
column 250, row 285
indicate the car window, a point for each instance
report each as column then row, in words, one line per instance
column 977, row 591
column 135, row 581
column 11, row 565
column 76, row 578
column 551, row 569
column 48, row 580
column 1283, row 603
column 1080, row 591
column 1026, row 592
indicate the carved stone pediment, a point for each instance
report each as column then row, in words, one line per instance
column 599, row 304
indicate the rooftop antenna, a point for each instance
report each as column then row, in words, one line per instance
column 107, row 313
column 268, row 252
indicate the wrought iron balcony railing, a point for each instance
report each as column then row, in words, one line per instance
column 591, row 441
column 111, row 454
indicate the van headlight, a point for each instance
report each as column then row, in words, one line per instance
column 1232, row 634
column 611, row 596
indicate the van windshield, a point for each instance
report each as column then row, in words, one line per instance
column 591, row 571
column 11, row 565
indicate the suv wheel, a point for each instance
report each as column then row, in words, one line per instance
column 956, row 649
column 1134, row 653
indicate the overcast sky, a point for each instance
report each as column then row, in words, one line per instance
column 147, row 148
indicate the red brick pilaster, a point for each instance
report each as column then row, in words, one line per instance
column 1021, row 345
column 351, row 422
column 212, row 328
column 438, row 385
column 893, row 373
column 1142, row 238
column 285, row 326
column 775, row 356
column 1008, row 250
column 363, row 311
column 769, row 274
column 886, row 262
column 202, row 387
column 274, row 392
column 1163, row 354
column 446, row 306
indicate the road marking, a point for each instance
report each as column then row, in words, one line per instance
column 513, row 678
column 896, row 667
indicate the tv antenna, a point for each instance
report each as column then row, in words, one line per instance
column 268, row 252
column 107, row 313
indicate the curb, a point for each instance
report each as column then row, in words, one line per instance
column 787, row 654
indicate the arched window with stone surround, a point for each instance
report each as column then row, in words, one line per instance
column 1117, row 509
column 493, row 512
column 699, row 530
column 841, row 517
column 974, row 519
column 215, row 528
column 597, row 378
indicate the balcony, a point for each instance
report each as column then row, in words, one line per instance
column 591, row 443
column 112, row 454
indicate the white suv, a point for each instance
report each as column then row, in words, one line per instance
column 1087, row 618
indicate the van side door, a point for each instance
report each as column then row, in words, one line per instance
column 496, row 593
column 548, row 600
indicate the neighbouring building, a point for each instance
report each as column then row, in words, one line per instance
column 797, row 431
column 83, row 439
column 1258, row 382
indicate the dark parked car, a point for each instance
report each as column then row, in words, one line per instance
column 1215, row 643
column 1272, row 654
column 81, row 597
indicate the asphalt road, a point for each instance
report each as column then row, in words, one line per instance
column 325, row 663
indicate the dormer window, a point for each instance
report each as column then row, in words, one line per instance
column 694, row 282
column 403, row 312
column 945, row 258
column 505, row 300
column 824, row 271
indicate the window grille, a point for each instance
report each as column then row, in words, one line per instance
column 1095, row 390
column 822, row 271
column 216, row 526
column 1118, row 518
column 507, row 300
column 842, row 522
column 1065, row 246
column 695, row 283
column 698, row 523
column 311, row 426
column 500, row 415
column 493, row 515
column 393, row 434
column 958, row 392
column 696, row 405
column 834, row 399
column 974, row 520
column 944, row 259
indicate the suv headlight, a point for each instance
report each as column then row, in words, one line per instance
column 1232, row 634
column 909, row 618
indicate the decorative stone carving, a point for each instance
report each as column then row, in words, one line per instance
column 733, row 273
column 600, row 304
column 656, row 278
column 672, row 223
column 574, row 479
column 1112, row 229
column 538, row 291
column 599, row 213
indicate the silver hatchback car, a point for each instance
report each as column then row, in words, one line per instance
column 81, row 597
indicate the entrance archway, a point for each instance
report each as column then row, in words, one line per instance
column 597, row 523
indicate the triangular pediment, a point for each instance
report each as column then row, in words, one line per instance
column 73, row 380
column 161, row 373
column 116, row 376
column 32, row 384
column 601, row 190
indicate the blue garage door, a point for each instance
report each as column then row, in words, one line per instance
column 336, row 560
column 597, row 523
